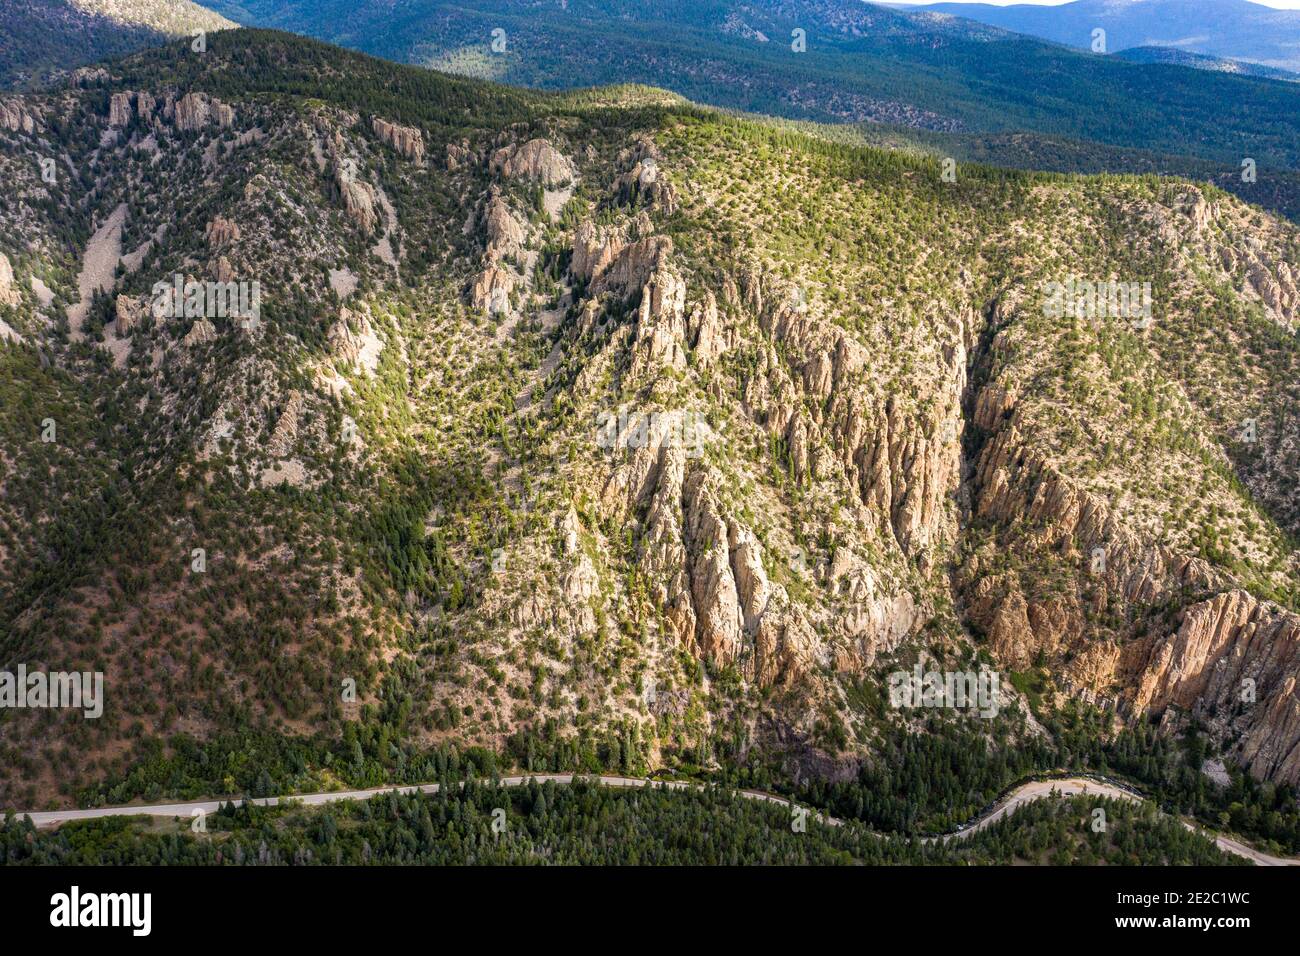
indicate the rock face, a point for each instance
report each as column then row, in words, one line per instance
column 201, row 332
column 1275, row 285
column 709, row 339
column 129, row 311
column 361, row 347
column 507, row 235
column 903, row 460
column 1233, row 662
column 537, row 160
column 8, row 292
column 646, row 183
column 407, row 140
column 491, row 290
column 505, row 232
column 714, row 592
column 89, row 76
column 661, row 324
column 119, row 109
column 1012, row 484
column 221, row 232
column 594, row 249
column 286, row 429
column 458, row 154
column 15, row 117
column 706, row 568
column 1222, row 656
column 358, row 198
column 193, row 111
column 632, row 267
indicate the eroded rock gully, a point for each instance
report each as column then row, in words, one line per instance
column 1220, row 656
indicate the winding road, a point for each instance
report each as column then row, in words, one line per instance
column 1021, row 795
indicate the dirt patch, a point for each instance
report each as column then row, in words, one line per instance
column 343, row 281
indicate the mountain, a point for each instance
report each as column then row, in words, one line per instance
column 602, row 430
column 1226, row 29
column 1199, row 61
column 862, row 63
column 40, row 36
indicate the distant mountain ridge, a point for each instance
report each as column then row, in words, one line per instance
column 38, row 37
column 1199, row 61
column 862, row 63
column 1227, row 29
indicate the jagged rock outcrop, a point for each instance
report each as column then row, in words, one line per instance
column 256, row 187
column 582, row 582
column 14, row 116
column 1014, row 485
column 1273, row 282
column 361, row 347
column 705, row 569
column 286, row 428
column 193, row 111
column 1233, row 662
column 506, row 234
column 632, row 267
column 221, row 232
column 491, row 290
column 89, row 76
column 359, row 199
column 646, row 183
column 458, row 154
column 407, row 140
column 594, row 248
column 716, row 600
column 536, row 160
column 120, row 109
column 708, row 337
column 661, row 324
column 201, row 332
column 1047, row 512
column 1199, row 210
column 904, row 458
column 129, row 311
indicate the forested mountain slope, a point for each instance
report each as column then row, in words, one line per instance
column 599, row 429
column 844, row 61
